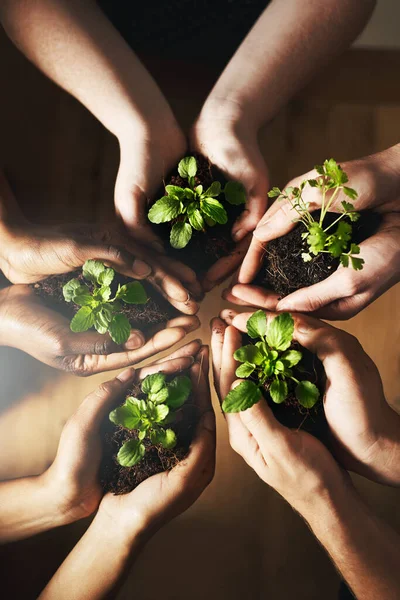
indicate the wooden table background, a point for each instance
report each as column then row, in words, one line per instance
column 240, row 540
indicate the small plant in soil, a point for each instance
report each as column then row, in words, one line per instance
column 149, row 417
column 193, row 207
column 267, row 366
column 98, row 308
column 321, row 237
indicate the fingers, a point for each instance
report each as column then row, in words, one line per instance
column 168, row 366
column 174, row 292
column 225, row 266
column 200, row 383
column 252, row 261
column 251, row 295
column 232, row 341
column 218, row 328
column 191, row 349
column 262, row 425
column 256, row 205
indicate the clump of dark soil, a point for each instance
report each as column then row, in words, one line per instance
column 205, row 247
column 283, row 269
column 144, row 317
column 121, row 480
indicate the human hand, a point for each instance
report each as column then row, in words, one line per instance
column 346, row 292
column 27, row 324
column 223, row 134
column 293, row 462
column 162, row 497
column 364, row 428
column 73, row 477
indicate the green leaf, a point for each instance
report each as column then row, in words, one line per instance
column 210, row 222
column 167, row 438
column 242, row 397
column 347, row 206
column 274, row 193
column 119, row 329
column 214, row 210
column 235, row 193
column 357, row 263
column 187, row 167
column 214, row 190
column 195, row 218
column 83, row 297
column 160, row 397
column 181, row 234
column 291, row 357
column 152, row 384
column 250, row 354
column 83, row 319
column 71, row 288
column 344, row 260
column 131, row 453
column 178, row 391
column 278, row 391
column 279, row 334
column 199, row 189
column 257, row 324
column 161, row 411
column 128, row 415
column 307, row 394
column 92, row 270
column 245, row 370
column 189, row 194
column 317, row 238
column 350, row 193
column 104, row 292
column 335, row 172
column 306, row 256
column 132, row 293
column 164, row 210
column 106, row 277
column 175, row 190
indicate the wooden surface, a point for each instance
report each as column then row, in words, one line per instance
column 240, row 540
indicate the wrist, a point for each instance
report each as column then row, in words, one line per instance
column 129, row 531
column 227, row 112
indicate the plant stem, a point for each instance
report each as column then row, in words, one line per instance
column 334, row 222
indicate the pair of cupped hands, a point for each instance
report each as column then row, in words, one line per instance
column 363, row 427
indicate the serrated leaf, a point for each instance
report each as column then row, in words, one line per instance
column 195, row 218
column 350, row 193
column 357, row 263
column 291, row 357
column 132, row 293
column 235, row 193
column 128, row 415
column 101, row 321
column 104, row 292
column 160, row 397
column 160, row 412
column 257, row 324
column 245, row 370
column 306, row 256
column 214, row 190
column 131, row 453
column 347, row 206
column 181, row 234
column 83, row 298
column 278, row 391
column 119, row 329
column 250, row 354
column 82, row 320
column 71, row 288
column 344, row 260
column 106, row 277
column 242, row 397
column 214, row 210
column 279, row 333
column 316, row 239
column 164, row 210
column 92, row 270
column 175, row 190
column 187, row 167
column 274, row 193
column 179, row 390
column 153, row 383
column 307, row 394
column 333, row 170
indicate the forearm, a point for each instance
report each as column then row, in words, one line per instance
column 287, row 45
column 97, row 565
column 75, row 45
column 27, row 506
column 364, row 549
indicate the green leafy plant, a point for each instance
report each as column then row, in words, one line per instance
column 151, row 415
column 192, row 207
column 320, row 239
column 269, row 363
column 98, row 308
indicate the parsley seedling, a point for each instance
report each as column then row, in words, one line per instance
column 270, row 362
column 149, row 416
column 98, row 308
column 192, row 207
column 320, row 239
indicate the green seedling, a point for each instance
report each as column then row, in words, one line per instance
column 330, row 181
column 269, row 363
column 98, row 308
column 192, row 207
column 151, row 415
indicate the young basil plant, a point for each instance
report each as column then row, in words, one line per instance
column 269, row 363
column 320, row 239
column 192, row 207
column 98, row 308
column 151, row 415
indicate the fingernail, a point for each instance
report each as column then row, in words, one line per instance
column 239, row 235
column 208, row 421
column 140, row 268
column 126, row 375
column 135, row 340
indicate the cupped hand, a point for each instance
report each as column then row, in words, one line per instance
column 73, row 476
column 27, row 324
column 293, row 462
column 365, row 429
column 224, row 136
column 346, row 292
column 166, row 495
